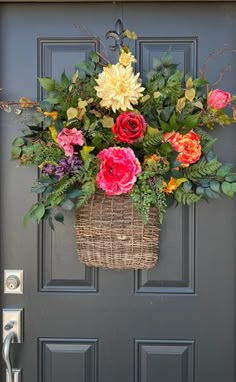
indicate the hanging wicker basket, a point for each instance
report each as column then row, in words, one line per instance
column 110, row 234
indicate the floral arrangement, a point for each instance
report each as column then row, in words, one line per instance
column 105, row 129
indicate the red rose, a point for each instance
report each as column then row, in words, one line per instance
column 129, row 127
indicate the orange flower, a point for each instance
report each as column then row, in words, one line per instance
column 171, row 186
column 188, row 146
column 53, row 114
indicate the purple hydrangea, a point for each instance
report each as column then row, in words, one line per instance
column 67, row 166
column 48, row 169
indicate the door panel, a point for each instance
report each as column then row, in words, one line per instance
column 175, row 323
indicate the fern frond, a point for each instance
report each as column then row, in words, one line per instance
column 152, row 141
column 87, row 190
column 207, row 141
column 64, row 185
column 186, row 197
column 202, row 169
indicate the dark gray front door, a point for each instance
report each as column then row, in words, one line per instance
column 175, row 323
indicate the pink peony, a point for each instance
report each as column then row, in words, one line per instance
column 217, row 99
column 68, row 138
column 118, row 171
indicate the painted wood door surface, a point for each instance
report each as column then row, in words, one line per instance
column 175, row 323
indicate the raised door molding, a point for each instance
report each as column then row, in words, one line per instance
column 109, row 1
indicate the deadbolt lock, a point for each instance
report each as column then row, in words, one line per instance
column 13, row 281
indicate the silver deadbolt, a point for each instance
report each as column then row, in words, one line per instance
column 13, row 281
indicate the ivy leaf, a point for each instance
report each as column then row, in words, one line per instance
column 187, row 186
column 59, row 217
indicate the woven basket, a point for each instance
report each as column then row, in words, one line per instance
column 110, row 234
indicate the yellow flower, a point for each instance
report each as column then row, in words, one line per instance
column 171, row 186
column 52, row 114
column 118, row 87
column 126, row 58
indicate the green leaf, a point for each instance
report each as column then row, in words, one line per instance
column 37, row 213
column 211, row 194
column 94, row 57
column 59, row 217
column 227, row 189
column 215, row 186
column 224, row 170
column 64, row 80
column 85, row 152
column 18, row 142
column 67, row 204
column 200, row 190
column 187, row 186
column 46, row 106
column 15, row 152
column 231, row 178
column 51, row 223
column 191, row 121
column 165, row 148
column 74, row 193
column 166, row 113
column 233, row 185
column 38, row 188
column 58, row 126
column 165, row 126
column 86, row 67
column 47, row 83
column 173, row 122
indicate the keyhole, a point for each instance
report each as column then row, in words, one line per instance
column 12, row 282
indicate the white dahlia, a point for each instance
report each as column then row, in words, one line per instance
column 118, row 87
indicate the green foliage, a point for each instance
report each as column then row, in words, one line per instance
column 170, row 103
column 147, row 192
column 186, row 197
column 202, row 169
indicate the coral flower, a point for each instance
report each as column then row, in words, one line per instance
column 68, row 138
column 118, row 171
column 118, row 87
column 188, row 146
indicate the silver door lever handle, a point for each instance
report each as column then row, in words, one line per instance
column 6, row 353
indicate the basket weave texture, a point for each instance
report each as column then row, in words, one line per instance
column 110, row 234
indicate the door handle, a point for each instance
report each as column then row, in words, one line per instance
column 12, row 375
column 12, row 333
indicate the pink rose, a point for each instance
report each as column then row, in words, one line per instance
column 118, row 171
column 68, row 138
column 188, row 146
column 217, row 99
